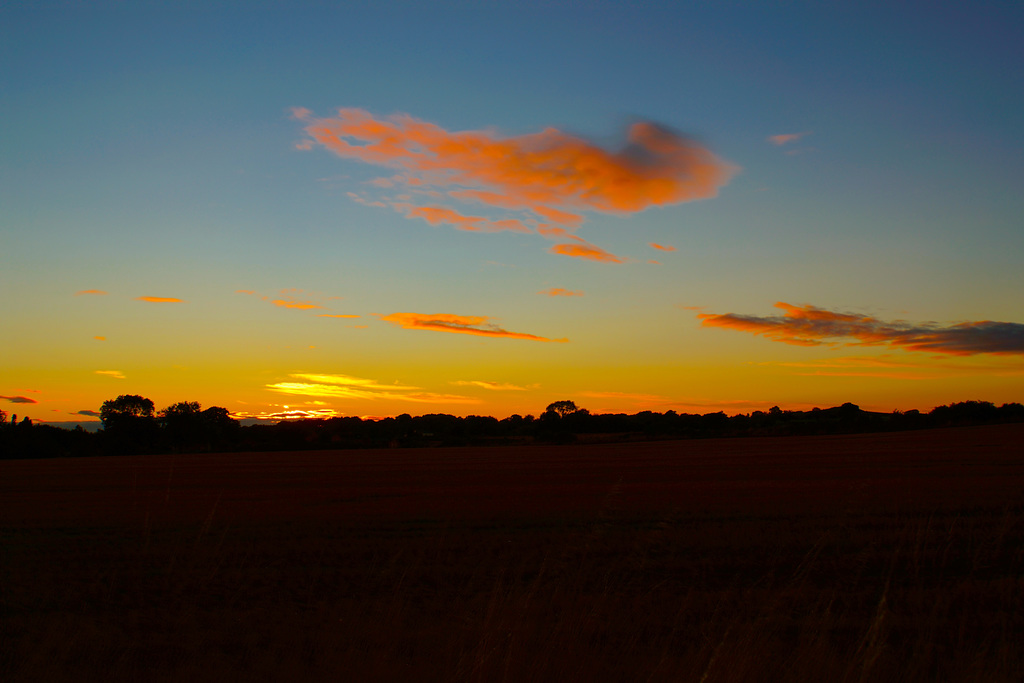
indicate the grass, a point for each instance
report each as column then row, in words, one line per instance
column 192, row 580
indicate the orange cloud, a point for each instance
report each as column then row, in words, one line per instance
column 660, row 247
column 348, row 387
column 655, row 167
column 291, row 303
column 786, row 138
column 160, row 300
column 287, row 414
column 99, row 292
column 551, row 174
column 559, row 291
column 810, row 326
column 461, row 324
column 554, row 232
column 439, row 214
column 507, row 202
column 116, row 374
column 100, row 338
column 563, row 217
column 585, row 250
column 245, row 291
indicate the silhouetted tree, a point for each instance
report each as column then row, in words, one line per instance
column 125, row 408
column 182, row 424
column 129, row 424
column 562, row 408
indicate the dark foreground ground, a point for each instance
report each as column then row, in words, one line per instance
column 885, row 557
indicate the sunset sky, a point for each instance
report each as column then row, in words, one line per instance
column 397, row 208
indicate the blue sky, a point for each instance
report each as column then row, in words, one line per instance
column 153, row 152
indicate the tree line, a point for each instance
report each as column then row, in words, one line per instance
column 132, row 426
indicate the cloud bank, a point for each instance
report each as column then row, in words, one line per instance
column 810, row 326
column 460, row 324
column 548, row 177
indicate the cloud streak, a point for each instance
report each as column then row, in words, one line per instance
column 19, row 399
column 810, row 326
column 116, row 374
column 292, row 303
column 491, row 386
column 160, row 300
column 439, row 214
column 560, row 291
column 96, row 292
column 585, row 250
column 459, row 324
column 348, row 387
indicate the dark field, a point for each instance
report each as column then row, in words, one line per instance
column 876, row 557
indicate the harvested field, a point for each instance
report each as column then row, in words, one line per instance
column 881, row 557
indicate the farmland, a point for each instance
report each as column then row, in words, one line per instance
column 881, row 557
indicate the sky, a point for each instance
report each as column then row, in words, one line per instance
column 294, row 209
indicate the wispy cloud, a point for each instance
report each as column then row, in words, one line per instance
column 350, row 381
column 288, row 298
column 585, row 250
column 19, row 399
column 348, row 387
column 117, row 374
column 287, row 414
column 545, row 176
column 87, row 413
column 97, row 292
column 98, row 338
column 786, row 138
column 160, row 300
column 560, row 291
column 492, row 386
column 292, row 303
column 660, row 247
column 461, row 324
column 439, row 214
column 810, row 326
